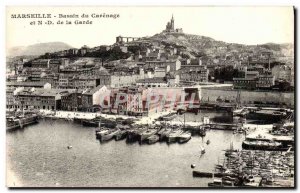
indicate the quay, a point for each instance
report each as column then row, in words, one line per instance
column 152, row 119
column 160, row 126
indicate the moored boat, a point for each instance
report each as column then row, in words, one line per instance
column 133, row 134
column 173, row 136
column 262, row 145
column 95, row 122
column 163, row 133
column 273, row 116
column 184, row 137
column 263, row 140
column 153, row 139
column 109, row 134
column 144, row 135
column 120, row 135
column 101, row 132
column 15, row 122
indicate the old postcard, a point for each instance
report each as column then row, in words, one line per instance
column 159, row 97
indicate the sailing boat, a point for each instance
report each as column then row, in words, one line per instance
column 185, row 136
column 202, row 149
column 146, row 134
column 202, row 131
column 164, row 132
column 99, row 126
column 101, row 131
column 239, row 110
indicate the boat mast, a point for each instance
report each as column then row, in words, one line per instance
column 23, row 108
column 183, row 120
column 238, row 99
column 99, row 123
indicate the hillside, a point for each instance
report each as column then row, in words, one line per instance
column 37, row 49
column 190, row 46
column 211, row 47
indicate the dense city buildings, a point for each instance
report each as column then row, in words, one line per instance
column 229, row 101
column 134, row 62
column 44, row 99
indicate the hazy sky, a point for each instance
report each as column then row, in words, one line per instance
column 247, row 25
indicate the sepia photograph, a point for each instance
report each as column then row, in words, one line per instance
column 150, row 97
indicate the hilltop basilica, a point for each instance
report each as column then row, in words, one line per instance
column 170, row 27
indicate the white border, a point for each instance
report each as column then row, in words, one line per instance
column 4, row 3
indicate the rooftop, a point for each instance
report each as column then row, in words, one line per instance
column 188, row 66
column 45, row 92
column 93, row 90
column 26, row 84
column 152, row 80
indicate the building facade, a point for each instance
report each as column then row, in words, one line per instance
column 72, row 101
column 45, row 99
column 265, row 82
column 244, row 83
column 28, row 84
column 194, row 73
column 95, row 96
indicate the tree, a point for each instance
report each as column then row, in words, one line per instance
column 227, row 73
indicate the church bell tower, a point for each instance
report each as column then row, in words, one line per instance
column 172, row 23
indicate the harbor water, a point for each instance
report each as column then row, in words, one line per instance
column 38, row 157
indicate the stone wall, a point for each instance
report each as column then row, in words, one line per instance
column 246, row 97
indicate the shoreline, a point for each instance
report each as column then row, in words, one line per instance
column 146, row 120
